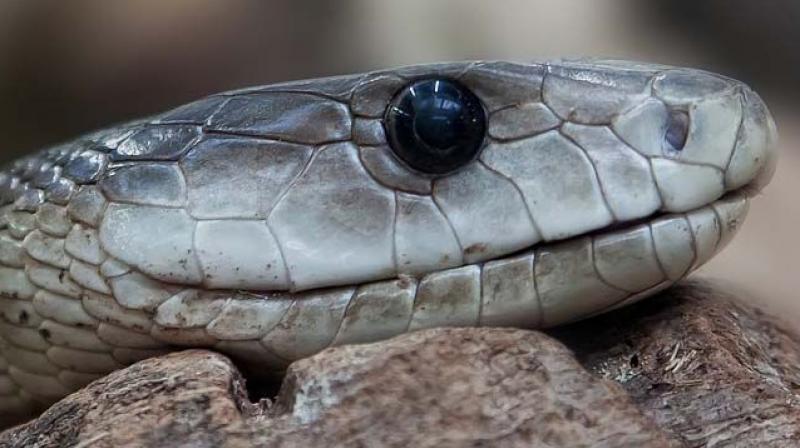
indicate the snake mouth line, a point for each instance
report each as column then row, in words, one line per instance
column 744, row 193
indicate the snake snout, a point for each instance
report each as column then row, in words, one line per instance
column 755, row 154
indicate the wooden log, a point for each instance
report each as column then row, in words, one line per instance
column 688, row 368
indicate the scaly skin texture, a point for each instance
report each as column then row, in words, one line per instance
column 273, row 222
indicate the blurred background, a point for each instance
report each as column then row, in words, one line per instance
column 70, row 67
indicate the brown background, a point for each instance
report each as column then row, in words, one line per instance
column 69, row 67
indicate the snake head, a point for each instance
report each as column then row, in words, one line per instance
column 587, row 144
column 410, row 171
column 272, row 222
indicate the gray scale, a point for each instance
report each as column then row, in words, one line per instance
column 157, row 143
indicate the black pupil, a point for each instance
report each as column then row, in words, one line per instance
column 435, row 125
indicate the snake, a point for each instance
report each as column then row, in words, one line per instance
column 270, row 223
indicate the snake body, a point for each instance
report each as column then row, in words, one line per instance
column 272, row 222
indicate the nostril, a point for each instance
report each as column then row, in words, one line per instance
column 677, row 129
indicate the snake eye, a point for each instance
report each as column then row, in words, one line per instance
column 435, row 125
column 677, row 129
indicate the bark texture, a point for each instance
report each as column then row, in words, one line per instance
column 688, row 368
column 705, row 366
